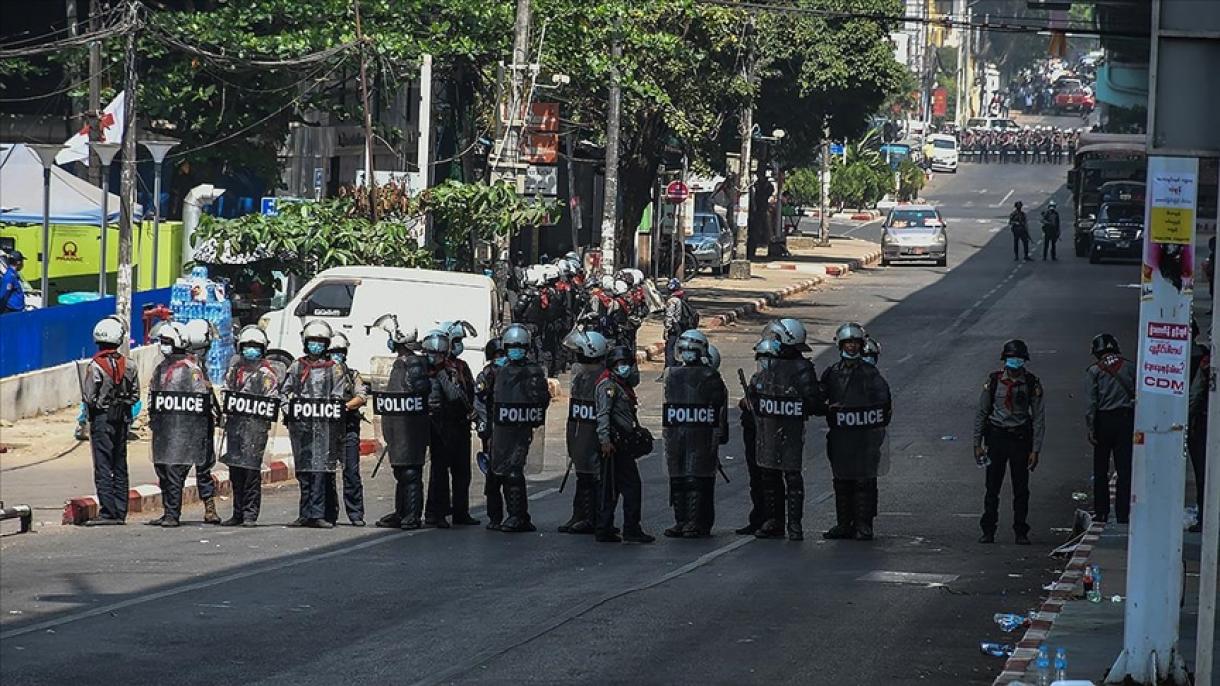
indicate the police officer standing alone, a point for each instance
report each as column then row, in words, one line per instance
column 1019, row 224
column 110, row 389
column 520, row 398
column 695, row 421
column 1111, row 422
column 349, row 458
column 621, row 441
column 403, row 408
column 1050, row 230
column 858, row 412
column 250, row 405
column 1008, row 430
column 590, row 348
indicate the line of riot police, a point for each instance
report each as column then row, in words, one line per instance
column 1031, row 145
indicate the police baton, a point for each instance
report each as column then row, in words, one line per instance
column 567, row 472
column 745, row 389
column 377, row 466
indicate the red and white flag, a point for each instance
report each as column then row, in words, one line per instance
column 112, row 132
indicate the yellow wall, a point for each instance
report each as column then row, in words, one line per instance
column 75, row 251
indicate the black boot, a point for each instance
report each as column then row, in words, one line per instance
column 773, row 526
column 707, row 505
column 796, row 511
column 495, row 502
column 844, row 512
column 586, row 493
column 566, row 527
column 692, row 527
column 390, row 521
column 413, row 501
column 865, row 501
column 678, row 494
column 517, row 504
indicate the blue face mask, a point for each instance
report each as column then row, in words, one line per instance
column 516, row 354
column 764, row 363
column 436, row 359
column 339, row 357
column 690, row 356
column 870, row 359
column 1014, row 362
column 251, row 353
column 389, row 344
column 457, row 348
column 623, row 370
column 315, row 348
column 500, row 360
column 849, row 356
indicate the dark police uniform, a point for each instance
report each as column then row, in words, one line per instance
column 1111, row 422
column 111, row 387
column 349, row 458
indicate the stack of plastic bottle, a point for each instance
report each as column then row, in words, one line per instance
column 197, row 297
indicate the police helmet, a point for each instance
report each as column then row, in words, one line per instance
column 316, row 330
column 1104, row 343
column 565, row 267
column 1051, row 205
column 871, row 348
column 516, row 336
column 620, row 353
column 389, row 323
column 849, row 332
column 766, row 347
column 674, row 284
column 1015, row 348
column 252, row 335
column 436, row 341
column 171, row 333
column 338, row 342
column 607, row 283
column 621, row 287
column 713, row 356
column 633, row 276
column 493, row 348
column 199, row 333
column 549, row 272
column 458, row 330
column 693, row 339
column 789, row 332
column 109, row 332
column 588, row 344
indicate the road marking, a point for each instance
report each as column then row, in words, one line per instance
column 543, row 493
column 576, row 612
column 918, row 578
column 905, row 358
column 1005, row 198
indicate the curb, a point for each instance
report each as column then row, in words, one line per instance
column 1061, row 592
column 147, row 497
column 656, row 351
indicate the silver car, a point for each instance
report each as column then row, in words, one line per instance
column 914, row 233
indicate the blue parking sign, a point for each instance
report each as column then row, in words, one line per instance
column 270, row 208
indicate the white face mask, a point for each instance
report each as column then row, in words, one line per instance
column 167, row 349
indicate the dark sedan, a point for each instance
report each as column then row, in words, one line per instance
column 1118, row 232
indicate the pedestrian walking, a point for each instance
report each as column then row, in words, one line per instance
column 251, row 403
column 349, row 456
column 1009, row 427
column 621, row 441
column 1050, row 230
column 1019, row 224
column 1111, row 423
column 110, row 389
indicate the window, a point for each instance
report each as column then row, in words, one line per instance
column 706, row 224
column 1122, row 212
column 331, row 299
column 904, row 219
column 943, row 144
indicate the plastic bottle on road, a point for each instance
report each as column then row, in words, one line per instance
column 1061, row 664
column 1042, row 668
column 1094, row 593
column 995, row 649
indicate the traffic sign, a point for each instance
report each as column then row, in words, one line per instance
column 677, row 191
column 836, row 148
column 269, row 207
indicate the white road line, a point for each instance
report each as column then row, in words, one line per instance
column 543, row 493
column 1005, row 198
column 919, row 578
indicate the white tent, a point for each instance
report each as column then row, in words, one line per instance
column 73, row 200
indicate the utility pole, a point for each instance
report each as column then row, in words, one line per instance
column 610, row 194
column 824, row 188
column 506, row 153
column 127, row 188
column 93, row 116
column 74, row 68
column 369, row 182
column 739, row 267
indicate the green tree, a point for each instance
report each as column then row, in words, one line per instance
column 804, row 186
column 470, row 211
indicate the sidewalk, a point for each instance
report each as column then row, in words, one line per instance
column 45, row 467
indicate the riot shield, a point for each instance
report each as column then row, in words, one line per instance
column 315, row 429
column 857, row 442
column 518, row 433
column 779, row 415
column 403, row 411
column 690, row 420
column 583, row 447
column 180, row 413
column 248, row 420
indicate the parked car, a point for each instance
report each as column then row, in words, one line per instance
column 711, row 244
column 1118, row 232
column 914, row 233
column 1074, row 100
column 992, row 123
column 944, row 153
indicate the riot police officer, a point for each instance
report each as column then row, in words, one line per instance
column 251, row 404
column 181, row 408
column 520, row 398
column 858, row 410
column 349, row 457
column 452, row 484
column 110, row 389
column 764, row 353
column 1009, row 426
column 695, row 424
column 484, row 386
column 405, row 427
column 198, row 335
column 314, row 391
column 590, row 348
column 1111, row 423
column 784, row 395
column 446, row 404
column 621, row 441
column 871, row 352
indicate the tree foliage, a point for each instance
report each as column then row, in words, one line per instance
column 468, row 211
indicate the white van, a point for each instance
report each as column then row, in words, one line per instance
column 944, row 153
column 350, row 299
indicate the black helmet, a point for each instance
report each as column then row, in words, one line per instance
column 493, row 348
column 1104, row 343
column 1015, row 348
column 620, row 353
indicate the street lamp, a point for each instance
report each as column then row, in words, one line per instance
column 105, row 152
column 158, row 149
column 46, row 155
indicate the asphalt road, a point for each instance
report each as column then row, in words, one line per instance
column 204, row 605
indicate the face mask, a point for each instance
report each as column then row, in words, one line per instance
column 516, row 354
column 690, row 356
column 1014, row 363
column 849, row 356
column 623, row 370
column 764, row 363
column 457, row 348
column 339, row 357
column 167, row 349
column 437, row 359
column 389, row 344
column 500, row 360
column 251, row 353
column 871, row 360
column 315, row 348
